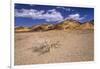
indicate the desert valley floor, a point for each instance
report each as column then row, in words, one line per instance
column 53, row 47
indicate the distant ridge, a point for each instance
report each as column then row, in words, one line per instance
column 68, row 24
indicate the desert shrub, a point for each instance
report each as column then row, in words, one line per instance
column 45, row 47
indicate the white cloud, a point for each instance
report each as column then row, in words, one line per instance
column 50, row 16
column 58, row 7
column 32, row 5
column 73, row 10
column 67, row 9
column 75, row 17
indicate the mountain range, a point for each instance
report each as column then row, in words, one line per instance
column 68, row 24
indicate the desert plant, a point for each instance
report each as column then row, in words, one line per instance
column 45, row 47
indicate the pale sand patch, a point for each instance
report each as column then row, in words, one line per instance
column 73, row 47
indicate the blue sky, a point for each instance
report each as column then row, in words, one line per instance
column 30, row 14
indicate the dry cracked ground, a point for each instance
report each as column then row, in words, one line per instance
column 53, row 47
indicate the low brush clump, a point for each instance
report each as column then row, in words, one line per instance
column 45, row 47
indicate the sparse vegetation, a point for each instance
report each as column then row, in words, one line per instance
column 45, row 47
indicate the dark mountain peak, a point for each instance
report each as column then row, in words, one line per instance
column 92, row 21
column 71, row 20
column 89, row 22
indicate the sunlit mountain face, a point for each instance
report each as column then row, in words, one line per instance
column 30, row 14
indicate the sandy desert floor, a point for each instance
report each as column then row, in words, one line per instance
column 71, row 46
